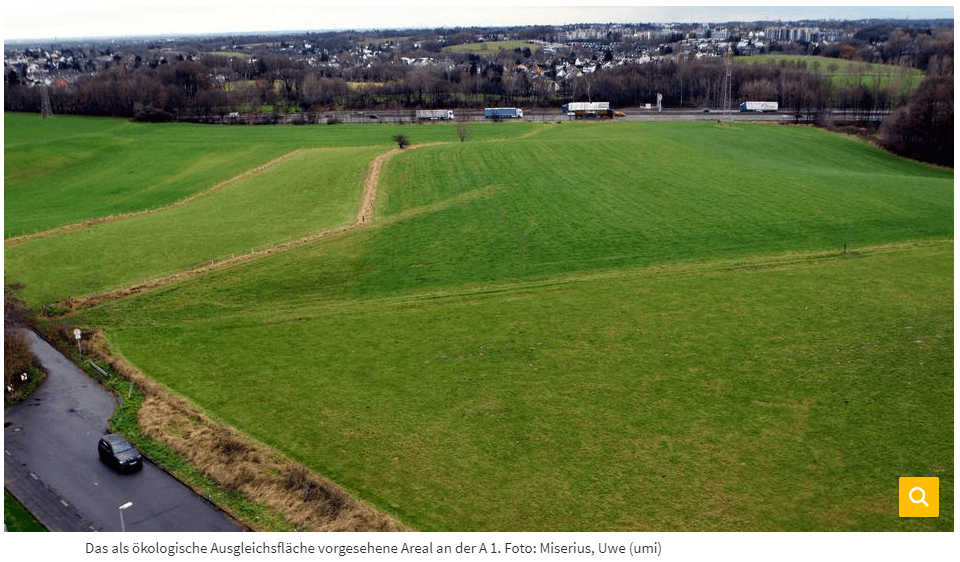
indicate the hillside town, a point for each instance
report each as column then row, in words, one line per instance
column 558, row 54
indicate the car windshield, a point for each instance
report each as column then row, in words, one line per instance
column 121, row 447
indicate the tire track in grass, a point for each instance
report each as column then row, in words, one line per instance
column 364, row 218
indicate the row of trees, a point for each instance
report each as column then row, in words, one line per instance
column 185, row 89
column 923, row 128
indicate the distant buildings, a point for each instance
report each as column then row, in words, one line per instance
column 802, row 34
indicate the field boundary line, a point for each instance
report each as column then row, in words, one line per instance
column 179, row 203
column 653, row 273
column 364, row 218
column 749, row 263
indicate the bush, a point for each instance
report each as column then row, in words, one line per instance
column 19, row 367
column 401, row 140
column 148, row 114
column 17, row 358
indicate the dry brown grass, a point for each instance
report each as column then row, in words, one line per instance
column 237, row 463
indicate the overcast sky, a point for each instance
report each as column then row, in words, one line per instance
column 24, row 20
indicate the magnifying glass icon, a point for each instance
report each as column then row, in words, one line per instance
column 923, row 496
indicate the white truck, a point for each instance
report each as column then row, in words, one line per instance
column 435, row 114
column 759, row 106
column 587, row 109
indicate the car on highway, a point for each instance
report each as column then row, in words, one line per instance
column 119, row 453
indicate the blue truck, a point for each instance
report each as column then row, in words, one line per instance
column 503, row 113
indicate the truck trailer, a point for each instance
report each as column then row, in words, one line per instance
column 435, row 114
column 759, row 106
column 503, row 113
column 587, row 109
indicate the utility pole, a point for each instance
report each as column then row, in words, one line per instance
column 726, row 93
column 45, row 109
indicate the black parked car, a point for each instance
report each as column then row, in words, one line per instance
column 119, row 453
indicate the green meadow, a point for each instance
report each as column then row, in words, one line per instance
column 755, row 396
column 848, row 73
column 71, row 169
column 314, row 190
column 568, row 327
column 492, row 46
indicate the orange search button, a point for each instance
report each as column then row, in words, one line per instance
column 919, row 497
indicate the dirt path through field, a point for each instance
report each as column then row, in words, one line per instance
column 365, row 215
column 364, row 218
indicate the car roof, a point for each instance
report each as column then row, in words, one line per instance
column 113, row 438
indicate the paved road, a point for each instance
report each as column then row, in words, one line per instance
column 50, row 462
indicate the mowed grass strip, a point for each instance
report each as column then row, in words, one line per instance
column 313, row 191
column 778, row 397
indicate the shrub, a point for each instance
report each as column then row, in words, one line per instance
column 149, row 114
column 17, row 358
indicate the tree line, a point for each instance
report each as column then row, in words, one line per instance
column 183, row 89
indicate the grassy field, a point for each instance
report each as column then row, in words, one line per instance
column 70, row 169
column 492, row 47
column 848, row 73
column 577, row 327
column 315, row 190
column 758, row 396
column 543, row 200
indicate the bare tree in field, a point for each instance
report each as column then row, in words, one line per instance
column 463, row 131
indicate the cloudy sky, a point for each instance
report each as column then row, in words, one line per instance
column 55, row 19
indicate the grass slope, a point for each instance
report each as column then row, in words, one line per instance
column 767, row 396
column 557, row 199
column 70, row 169
column 598, row 197
column 847, row 73
column 562, row 327
column 310, row 192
